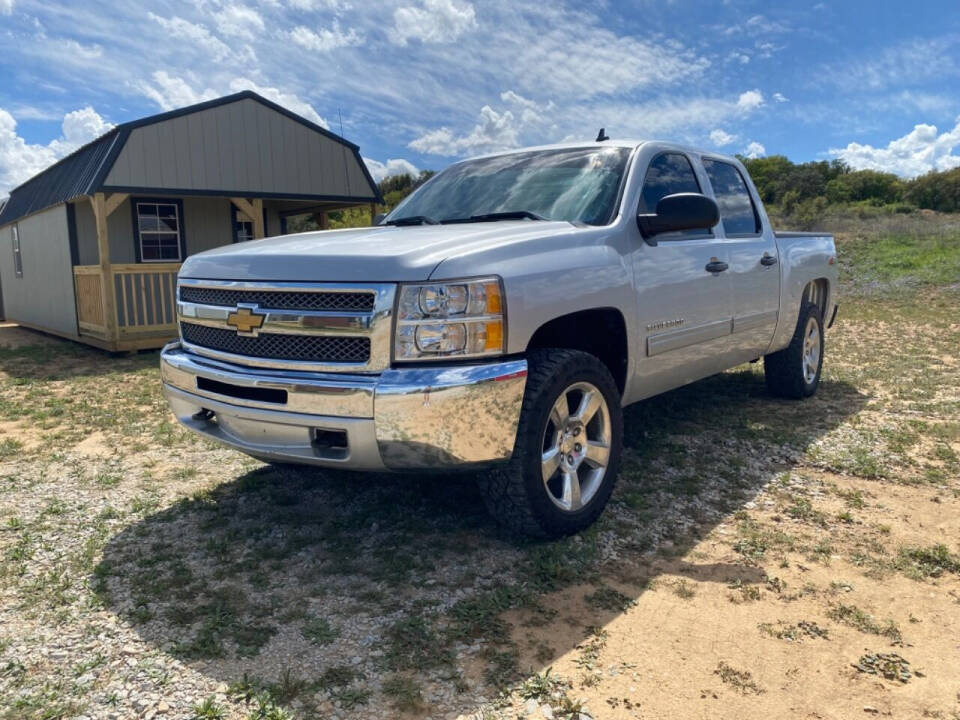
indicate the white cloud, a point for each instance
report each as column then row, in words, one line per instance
column 20, row 160
column 239, row 21
column 750, row 100
column 720, row 138
column 171, row 92
column 493, row 131
column 6, row 7
column 908, row 64
column 780, row 97
column 573, row 61
column 81, row 126
column 309, row 5
column 754, row 150
column 394, row 166
column 434, row 21
column 919, row 151
column 509, row 96
column 325, row 40
column 194, row 34
column 287, row 99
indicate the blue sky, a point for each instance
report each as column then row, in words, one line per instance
column 419, row 83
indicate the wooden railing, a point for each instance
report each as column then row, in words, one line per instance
column 88, row 282
column 145, row 302
column 146, row 298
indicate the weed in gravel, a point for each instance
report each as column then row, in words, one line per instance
column 802, row 509
column 543, row 687
column 10, row 447
column 853, row 498
column 404, row 692
column 858, row 619
column 411, row 642
column 795, row 632
column 503, row 666
column 319, row 631
column 591, row 648
column 610, row 599
column 741, row 680
column 265, row 709
column 755, row 540
column 887, row 665
column 208, row 709
column 923, row 562
column 745, row 592
column 683, row 590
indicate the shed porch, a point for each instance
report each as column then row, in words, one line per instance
column 140, row 312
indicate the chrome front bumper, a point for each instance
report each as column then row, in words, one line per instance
column 401, row 419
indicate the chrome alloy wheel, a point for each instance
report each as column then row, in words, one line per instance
column 811, row 350
column 576, row 446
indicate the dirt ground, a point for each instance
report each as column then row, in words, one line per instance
column 759, row 558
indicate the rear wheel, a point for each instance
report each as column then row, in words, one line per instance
column 794, row 372
column 567, row 452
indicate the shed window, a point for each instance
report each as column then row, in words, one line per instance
column 17, row 257
column 242, row 226
column 159, row 230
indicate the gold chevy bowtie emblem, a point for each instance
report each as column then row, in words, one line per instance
column 245, row 320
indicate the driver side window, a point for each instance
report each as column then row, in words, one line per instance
column 668, row 174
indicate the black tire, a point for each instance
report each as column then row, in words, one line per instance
column 516, row 494
column 785, row 370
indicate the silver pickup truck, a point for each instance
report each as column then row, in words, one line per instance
column 499, row 319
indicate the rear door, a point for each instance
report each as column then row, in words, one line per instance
column 684, row 308
column 754, row 271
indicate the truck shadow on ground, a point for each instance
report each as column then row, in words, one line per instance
column 319, row 588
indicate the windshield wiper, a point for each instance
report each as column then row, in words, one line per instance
column 493, row 217
column 413, row 220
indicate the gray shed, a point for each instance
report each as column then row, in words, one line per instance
column 123, row 211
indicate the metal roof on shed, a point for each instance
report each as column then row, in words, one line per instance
column 83, row 171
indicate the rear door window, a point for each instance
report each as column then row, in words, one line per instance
column 737, row 211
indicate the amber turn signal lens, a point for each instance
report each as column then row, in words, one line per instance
column 494, row 332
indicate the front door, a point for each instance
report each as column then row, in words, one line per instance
column 685, row 309
column 754, row 263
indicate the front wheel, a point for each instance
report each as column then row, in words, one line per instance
column 568, row 447
column 794, row 372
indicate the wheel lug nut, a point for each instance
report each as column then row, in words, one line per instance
column 576, row 431
column 578, row 447
column 570, row 459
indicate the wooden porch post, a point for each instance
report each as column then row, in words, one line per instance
column 373, row 212
column 107, row 291
column 253, row 209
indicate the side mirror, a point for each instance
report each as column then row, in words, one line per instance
column 682, row 211
column 378, row 218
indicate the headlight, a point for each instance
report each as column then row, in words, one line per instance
column 462, row 318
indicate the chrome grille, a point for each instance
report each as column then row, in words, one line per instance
column 280, row 300
column 276, row 346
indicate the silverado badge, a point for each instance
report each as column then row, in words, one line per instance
column 245, row 320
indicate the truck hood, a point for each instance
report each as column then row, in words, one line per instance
column 375, row 254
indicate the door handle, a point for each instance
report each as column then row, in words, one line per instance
column 716, row 266
column 768, row 260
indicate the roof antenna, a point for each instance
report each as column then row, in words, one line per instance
column 602, row 135
column 341, row 121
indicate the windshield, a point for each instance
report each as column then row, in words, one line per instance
column 578, row 185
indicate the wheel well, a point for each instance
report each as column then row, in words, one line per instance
column 601, row 332
column 816, row 292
